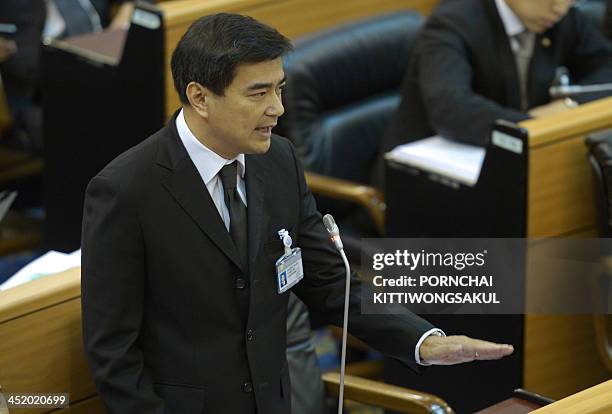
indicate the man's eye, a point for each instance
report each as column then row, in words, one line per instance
column 258, row 95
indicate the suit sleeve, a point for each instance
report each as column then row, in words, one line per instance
column 591, row 56
column 445, row 75
column 112, row 284
column 322, row 289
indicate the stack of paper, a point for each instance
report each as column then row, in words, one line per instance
column 47, row 264
column 460, row 162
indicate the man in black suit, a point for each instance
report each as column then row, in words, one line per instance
column 481, row 60
column 181, row 310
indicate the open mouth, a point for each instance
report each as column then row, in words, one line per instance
column 264, row 130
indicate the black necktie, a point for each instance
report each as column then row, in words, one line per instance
column 237, row 211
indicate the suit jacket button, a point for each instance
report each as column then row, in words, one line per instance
column 250, row 335
column 240, row 283
column 247, row 387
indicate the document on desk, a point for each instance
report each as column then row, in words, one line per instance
column 49, row 263
column 441, row 156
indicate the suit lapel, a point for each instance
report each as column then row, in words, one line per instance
column 506, row 57
column 185, row 185
column 256, row 172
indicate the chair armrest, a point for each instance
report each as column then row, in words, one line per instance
column 16, row 164
column 383, row 395
column 368, row 197
column 365, row 369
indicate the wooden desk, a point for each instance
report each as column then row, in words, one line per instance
column 545, row 191
column 41, row 351
column 594, row 400
column 561, row 204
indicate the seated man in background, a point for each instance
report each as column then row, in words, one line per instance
column 481, row 60
column 74, row 17
column 20, row 51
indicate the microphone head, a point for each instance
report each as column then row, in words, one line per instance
column 330, row 225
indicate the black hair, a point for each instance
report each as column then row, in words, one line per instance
column 214, row 45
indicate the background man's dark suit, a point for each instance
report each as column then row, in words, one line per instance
column 168, row 318
column 462, row 76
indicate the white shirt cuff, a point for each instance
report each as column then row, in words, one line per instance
column 417, row 348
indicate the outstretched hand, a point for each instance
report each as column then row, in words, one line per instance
column 450, row 350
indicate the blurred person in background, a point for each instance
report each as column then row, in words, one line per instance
column 32, row 21
column 480, row 60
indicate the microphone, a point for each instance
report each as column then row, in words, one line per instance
column 334, row 232
column 565, row 91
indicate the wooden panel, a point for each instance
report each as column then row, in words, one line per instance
column 39, row 294
column 595, row 400
column 43, row 352
column 560, row 351
column 293, row 18
column 561, row 355
column 560, row 194
column 582, row 120
column 41, row 347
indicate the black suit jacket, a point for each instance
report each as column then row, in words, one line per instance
column 171, row 322
column 462, row 76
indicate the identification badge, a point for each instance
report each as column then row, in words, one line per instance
column 289, row 270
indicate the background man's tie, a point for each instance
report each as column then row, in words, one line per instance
column 523, row 53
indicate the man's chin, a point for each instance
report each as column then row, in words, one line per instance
column 537, row 28
column 261, row 147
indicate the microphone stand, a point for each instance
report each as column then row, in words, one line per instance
column 347, row 292
column 334, row 232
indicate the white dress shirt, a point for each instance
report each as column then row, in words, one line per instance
column 209, row 164
column 512, row 24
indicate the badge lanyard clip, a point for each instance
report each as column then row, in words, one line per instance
column 286, row 239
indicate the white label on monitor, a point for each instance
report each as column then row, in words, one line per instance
column 507, row 142
column 146, row 19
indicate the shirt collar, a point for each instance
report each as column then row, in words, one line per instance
column 512, row 24
column 208, row 162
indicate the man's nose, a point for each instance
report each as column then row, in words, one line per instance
column 276, row 107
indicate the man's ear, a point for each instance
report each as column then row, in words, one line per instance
column 198, row 97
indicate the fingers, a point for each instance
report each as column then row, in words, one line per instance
column 459, row 349
column 483, row 350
